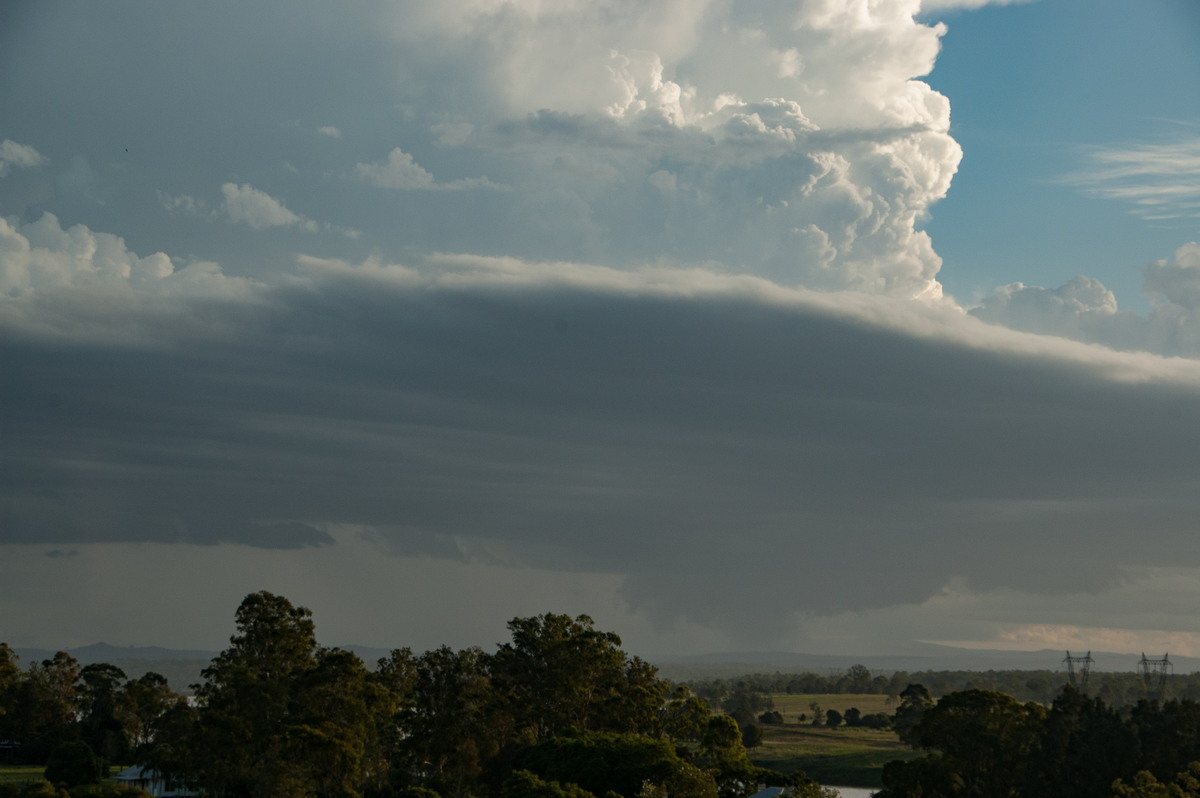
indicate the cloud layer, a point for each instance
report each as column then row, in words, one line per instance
column 577, row 418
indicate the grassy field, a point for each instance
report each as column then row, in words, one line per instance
column 19, row 774
column 844, row 756
column 792, row 705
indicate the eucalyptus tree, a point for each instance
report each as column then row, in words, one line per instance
column 246, row 720
column 455, row 724
column 561, row 674
column 100, row 723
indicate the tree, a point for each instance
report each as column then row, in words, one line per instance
column 10, row 677
column 1168, row 735
column 833, row 718
column 723, row 754
column 74, row 763
column 686, row 716
column 1082, row 748
column 625, row 764
column 246, row 720
column 456, row 723
column 915, row 700
column 858, row 679
column 524, row 784
column 396, row 676
column 42, row 707
column 99, row 710
column 338, row 717
column 142, row 704
column 10, row 673
column 985, row 739
column 560, row 674
column 169, row 745
column 722, row 743
column 752, row 735
column 744, row 703
column 928, row 777
column 1186, row 785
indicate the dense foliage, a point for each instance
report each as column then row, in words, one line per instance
column 984, row 743
column 51, row 709
column 560, row 710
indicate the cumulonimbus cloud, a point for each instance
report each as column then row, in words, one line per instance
column 792, row 142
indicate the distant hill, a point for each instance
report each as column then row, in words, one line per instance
column 930, row 657
column 182, row 667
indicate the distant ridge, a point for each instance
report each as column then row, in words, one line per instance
column 182, row 667
column 931, row 657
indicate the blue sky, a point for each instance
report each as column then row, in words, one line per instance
column 1035, row 88
column 810, row 326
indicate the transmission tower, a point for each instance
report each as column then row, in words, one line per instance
column 1154, row 673
column 1078, row 670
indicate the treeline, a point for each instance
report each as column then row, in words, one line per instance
column 988, row 744
column 57, row 701
column 559, row 712
column 1042, row 686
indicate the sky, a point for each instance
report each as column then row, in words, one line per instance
column 825, row 326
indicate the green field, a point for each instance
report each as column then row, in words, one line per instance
column 844, row 756
column 19, row 774
column 792, row 705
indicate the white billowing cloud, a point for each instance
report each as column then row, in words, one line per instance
column 42, row 255
column 1158, row 181
column 1177, row 281
column 1084, row 310
column 18, row 156
column 398, row 171
column 401, row 171
column 42, row 258
column 77, row 284
column 1068, row 310
column 246, row 205
column 793, row 141
column 943, row 5
column 330, row 131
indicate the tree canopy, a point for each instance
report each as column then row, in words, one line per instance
column 558, row 711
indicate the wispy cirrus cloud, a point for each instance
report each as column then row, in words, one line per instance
column 1159, row 180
